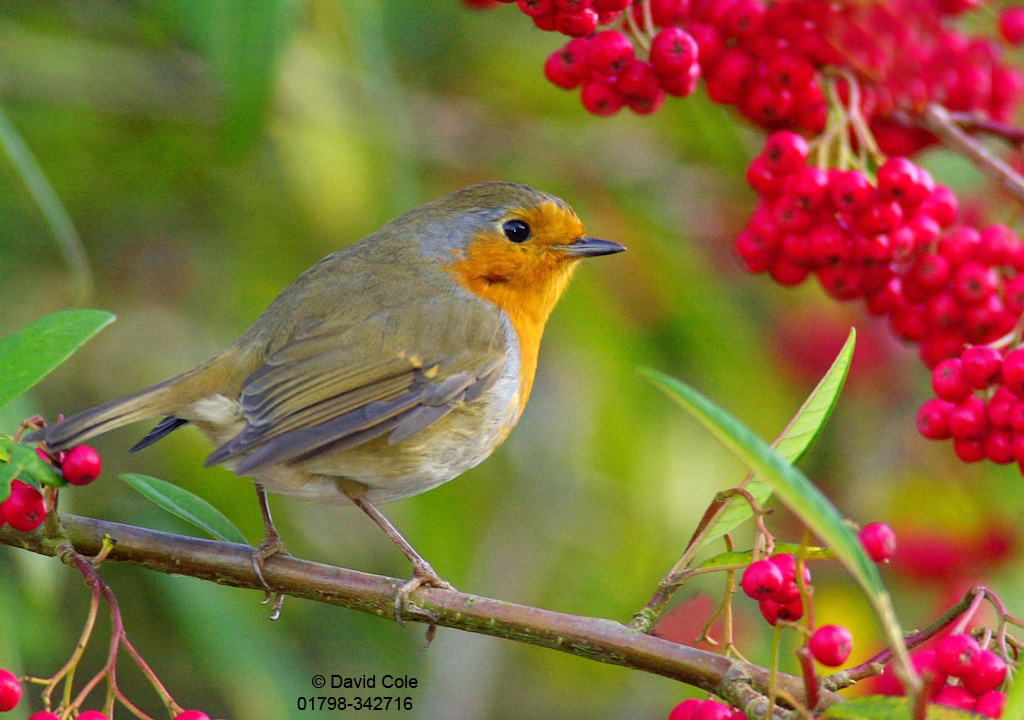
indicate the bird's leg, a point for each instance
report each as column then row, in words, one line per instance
column 422, row 573
column 272, row 545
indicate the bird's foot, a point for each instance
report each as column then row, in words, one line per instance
column 422, row 574
column 271, row 545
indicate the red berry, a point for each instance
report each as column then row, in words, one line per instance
column 968, row 420
column 956, row 654
column 673, row 51
column 609, row 52
column 774, row 611
column 567, row 66
column 933, row 419
column 81, row 465
column 24, row 509
column 898, row 179
column 711, row 710
column 1000, row 406
column 684, row 710
column 784, row 152
column 955, row 696
column 948, row 380
column 831, row 645
column 980, row 366
column 879, row 541
column 789, row 591
column 537, row 8
column 43, row 715
column 601, row 99
column 761, row 579
column 991, row 704
column 973, row 282
column 576, row 24
column 1013, row 371
column 10, row 690
column 998, row 445
column 192, row 715
column 850, row 190
column 92, row 715
column 1011, row 25
column 970, row 450
column 987, row 673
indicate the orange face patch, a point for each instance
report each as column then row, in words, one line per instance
column 523, row 279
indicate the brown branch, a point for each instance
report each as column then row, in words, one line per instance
column 936, row 119
column 978, row 122
column 738, row 683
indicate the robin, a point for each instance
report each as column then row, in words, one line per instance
column 389, row 367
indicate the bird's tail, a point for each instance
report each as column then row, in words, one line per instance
column 161, row 399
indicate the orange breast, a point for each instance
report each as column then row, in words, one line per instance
column 523, row 280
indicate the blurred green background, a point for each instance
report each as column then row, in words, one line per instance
column 208, row 152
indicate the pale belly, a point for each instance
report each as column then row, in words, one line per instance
column 380, row 471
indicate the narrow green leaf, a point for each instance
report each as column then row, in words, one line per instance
column 887, row 707
column 28, row 356
column 180, row 502
column 49, row 203
column 744, row 557
column 794, row 441
column 797, row 492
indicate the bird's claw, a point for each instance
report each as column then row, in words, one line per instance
column 272, row 545
column 422, row 575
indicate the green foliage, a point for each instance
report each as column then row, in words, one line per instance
column 878, row 707
column 185, row 505
column 792, row 486
column 794, row 441
column 22, row 462
column 30, row 355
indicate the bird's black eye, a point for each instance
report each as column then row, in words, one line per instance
column 516, row 230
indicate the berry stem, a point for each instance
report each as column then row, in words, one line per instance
column 641, row 37
column 936, row 119
column 961, row 626
column 69, row 667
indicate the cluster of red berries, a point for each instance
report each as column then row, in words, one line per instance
column 605, row 66
column 917, row 58
column 958, row 673
column 773, row 583
column 24, row 509
column 854, row 235
column 979, row 404
column 694, row 709
column 765, row 58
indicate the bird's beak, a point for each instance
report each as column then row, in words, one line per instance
column 591, row 247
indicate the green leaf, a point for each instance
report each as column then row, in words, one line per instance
column 28, row 356
column 745, row 557
column 794, row 441
column 180, row 502
column 795, row 490
column 25, row 464
column 886, row 707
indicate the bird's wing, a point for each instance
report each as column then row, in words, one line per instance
column 337, row 384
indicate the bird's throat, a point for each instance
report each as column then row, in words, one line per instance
column 527, row 295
